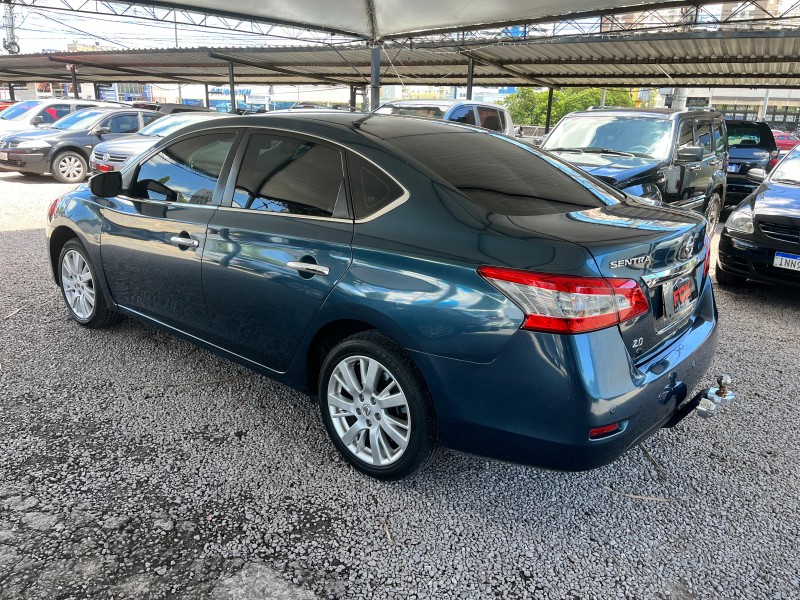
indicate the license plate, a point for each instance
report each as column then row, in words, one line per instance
column 3, row 155
column 787, row 261
column 733, row 168
column 678, row 296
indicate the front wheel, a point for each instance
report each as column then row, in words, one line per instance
column 79, row 287
column 69, row 167
column 713, row 209
column 376, row 407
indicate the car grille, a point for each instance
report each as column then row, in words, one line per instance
column 114, row 158
column 4, row 145
column 780, row 231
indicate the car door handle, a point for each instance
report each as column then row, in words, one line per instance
column 695, row 168
column 713, row 163
column 179, row 240
column 305, row 267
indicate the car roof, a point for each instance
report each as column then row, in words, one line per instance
column 447, row 103
column 665, row 114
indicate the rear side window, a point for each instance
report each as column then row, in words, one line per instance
column 490, row 118
column 719, row 137
column 150, row 117
column 186, row 171
column 742, row 135
column 501, row 175
column 281, row 174
column 463, row 114
column 371, row 188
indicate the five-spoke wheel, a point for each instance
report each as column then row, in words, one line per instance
column 79, row 287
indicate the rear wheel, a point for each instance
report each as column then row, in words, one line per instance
column 376, row 407
column 69, row 167
column 79, row 287
column 713, row 208
column 724, row 278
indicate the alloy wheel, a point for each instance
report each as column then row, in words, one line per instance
column 78, row 285
column 71, row 168
column 369, row 410
column 712, row 214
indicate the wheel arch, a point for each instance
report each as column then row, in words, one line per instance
column 60, row 236
column 58, row 150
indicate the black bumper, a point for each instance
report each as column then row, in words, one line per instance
column 29, row 163
column 753, row 258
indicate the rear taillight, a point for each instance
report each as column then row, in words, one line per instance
column 51, row 212
column 774, row 158
column 567, row 304
column 707, row 261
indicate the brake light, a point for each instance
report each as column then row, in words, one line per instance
column 568, row 304
column 774, row 160
column 707, row 261
column 51, row 212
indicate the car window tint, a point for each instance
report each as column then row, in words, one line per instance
column 463, row 114
column 750, row 134
column 186, row 171
column 704, row 137
column 686, row 137
column 52, row 113
column 123, row 123
column 372, row 189
column 719, row 137
column 150, row 117
column 489, row 118
column 291, row 176
column 501, row 175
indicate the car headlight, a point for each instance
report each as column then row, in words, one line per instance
column 649, row 192
column 34, row 144
column 741, row 219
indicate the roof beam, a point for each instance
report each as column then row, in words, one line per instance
column 505, row 69
column 85, row 63
column 271, row 67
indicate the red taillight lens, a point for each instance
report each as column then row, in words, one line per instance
column 567, row 304
column 707, row 261
column 51, row 212
column 775, row 154
column 603, row 431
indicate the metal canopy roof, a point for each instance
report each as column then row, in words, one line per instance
column 707, row 58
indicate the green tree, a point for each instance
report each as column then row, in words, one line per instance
column 529, row 107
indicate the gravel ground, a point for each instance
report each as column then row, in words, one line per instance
column 135, row 465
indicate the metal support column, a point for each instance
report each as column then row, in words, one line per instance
column 353, row 98
column 208, row 100
column 549, row 110
column 75, row 90
column 11, row 93
column 375, row 77
column 233, row 88
column 603, row 97
column 764, row 106
column 470, row 73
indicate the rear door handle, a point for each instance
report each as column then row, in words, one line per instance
column 179, row 240
column 695, row 168
column 305, row 267
column 713, row 163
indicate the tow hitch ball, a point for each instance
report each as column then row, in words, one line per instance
column 715, row 397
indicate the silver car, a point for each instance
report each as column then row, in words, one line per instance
column 115, row 154
column 468, row 112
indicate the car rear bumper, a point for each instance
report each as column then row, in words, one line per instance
column 536, row 403
column 754, row 258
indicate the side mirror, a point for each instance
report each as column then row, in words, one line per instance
column 756, row 175
column 690, row 154
column 106, row 185
column 101, row 130
column 37, row 120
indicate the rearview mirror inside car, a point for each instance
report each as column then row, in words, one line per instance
column 106, row 185
column 690, row 153
column 756, row 175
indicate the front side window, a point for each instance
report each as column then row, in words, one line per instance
column 490, row 118
column 186, row 171
column 288, row 175
column 719, row 137
column 150, row 117
column 704, row 138
column 463, row 114
column 123, row 123
column 54, row 112
column 686, row 135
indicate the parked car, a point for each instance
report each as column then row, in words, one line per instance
column 115, row 154
column 664, row 155
column 30, row 114
column 752, row 146
column 430, row 282
column 761, row 239
column 785, row 141
column 467, row 112
column 63, row 149
column 169, row 108
column 4, row 104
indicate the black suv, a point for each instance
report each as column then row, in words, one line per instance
column 752, row 146
column 678, row 158
column 64, row 148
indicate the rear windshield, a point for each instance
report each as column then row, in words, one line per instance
column 742, row 135
column 17, row 111
column 429, row 112
column 504, row 176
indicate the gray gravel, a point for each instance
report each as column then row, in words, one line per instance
column 134, row 465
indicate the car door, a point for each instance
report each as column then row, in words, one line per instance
column 687, row 175
column 118, row 125
column 277, row 246
column 705, row 175
column 153, row 236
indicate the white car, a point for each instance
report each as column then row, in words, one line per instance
column 468, row 112
column 30, row 114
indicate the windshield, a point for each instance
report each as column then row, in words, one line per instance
column 429, row 112
column 788, row 170
column 165, row 125
column 83, row 119
column 16, row 111
column 742, row 135
column 644, row 137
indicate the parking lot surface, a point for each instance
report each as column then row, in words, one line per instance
column 136, row 465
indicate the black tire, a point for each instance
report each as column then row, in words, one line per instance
column 712, row 212
column 69, row 167
column 729, row 279
column 99, row 315
column 375, row 419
